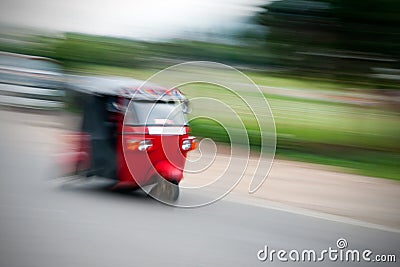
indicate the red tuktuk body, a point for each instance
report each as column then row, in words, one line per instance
column 165, row 158
column 132, row 132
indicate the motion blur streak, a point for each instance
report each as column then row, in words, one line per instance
column 330, row 70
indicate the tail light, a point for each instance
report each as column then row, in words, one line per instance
column 141, row 145
column 189, row 143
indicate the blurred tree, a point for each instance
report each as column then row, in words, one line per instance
column 369, row 26
column 335, row 38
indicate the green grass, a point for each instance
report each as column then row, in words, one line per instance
column 357, row 160
column 317, row 122
column 296, row 83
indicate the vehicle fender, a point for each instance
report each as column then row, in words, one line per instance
column 168, row 171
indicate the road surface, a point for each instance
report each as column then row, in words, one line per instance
column 48, row 222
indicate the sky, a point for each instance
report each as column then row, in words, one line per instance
column 142, row 19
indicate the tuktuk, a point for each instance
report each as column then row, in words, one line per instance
column 133, row 132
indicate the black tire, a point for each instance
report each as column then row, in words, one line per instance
column 174, row 192
column 165, row 191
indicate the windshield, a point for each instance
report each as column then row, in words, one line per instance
column 155, row 113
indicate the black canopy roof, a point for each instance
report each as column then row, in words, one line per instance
column 122, row 86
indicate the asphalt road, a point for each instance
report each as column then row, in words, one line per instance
column 48, row 222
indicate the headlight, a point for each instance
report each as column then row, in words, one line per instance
column 141, row 145
column 144, row 145
column 186, row 144
column 189, row 144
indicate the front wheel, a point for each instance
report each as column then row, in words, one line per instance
column 165, row 191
